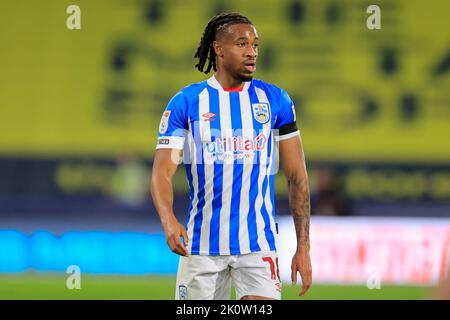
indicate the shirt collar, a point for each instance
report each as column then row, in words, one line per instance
column 215, row 84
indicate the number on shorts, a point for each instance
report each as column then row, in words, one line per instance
column 272, row 265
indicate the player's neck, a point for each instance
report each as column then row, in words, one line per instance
column 228, row 82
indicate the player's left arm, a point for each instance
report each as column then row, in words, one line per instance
column 294, row 167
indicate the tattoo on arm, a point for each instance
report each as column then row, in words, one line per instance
column 299, row 202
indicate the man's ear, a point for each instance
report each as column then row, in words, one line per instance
column 218, row 48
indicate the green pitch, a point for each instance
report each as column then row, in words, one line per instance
column 53, row 286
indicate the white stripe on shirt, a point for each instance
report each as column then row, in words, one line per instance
column 205, row 131
column 247, row 163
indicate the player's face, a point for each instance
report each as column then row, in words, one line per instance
column 238, row 49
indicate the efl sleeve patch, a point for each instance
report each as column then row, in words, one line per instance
column 173, row 127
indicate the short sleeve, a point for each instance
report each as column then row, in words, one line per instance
column 286, row 118
column 174, row 124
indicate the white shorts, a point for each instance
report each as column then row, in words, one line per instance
column 203, row 277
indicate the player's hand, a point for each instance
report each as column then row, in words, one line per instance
column 174, row 230
column 301, row 262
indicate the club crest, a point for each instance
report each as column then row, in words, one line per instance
column 261, row 112
column 182, row 292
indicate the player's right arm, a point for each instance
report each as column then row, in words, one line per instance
column 172, row 132
column 165, row 164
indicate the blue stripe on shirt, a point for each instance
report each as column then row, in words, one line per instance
column 198, row 218
column 236, row 122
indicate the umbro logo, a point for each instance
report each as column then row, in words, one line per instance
column 209, row 116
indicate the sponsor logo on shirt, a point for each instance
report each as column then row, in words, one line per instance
column 236, row 146
column 209, row 116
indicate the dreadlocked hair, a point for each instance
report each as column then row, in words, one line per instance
column 205, row 50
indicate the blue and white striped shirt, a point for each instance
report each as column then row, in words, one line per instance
column 229, row 141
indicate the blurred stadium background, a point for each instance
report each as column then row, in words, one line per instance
column 80, row 111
